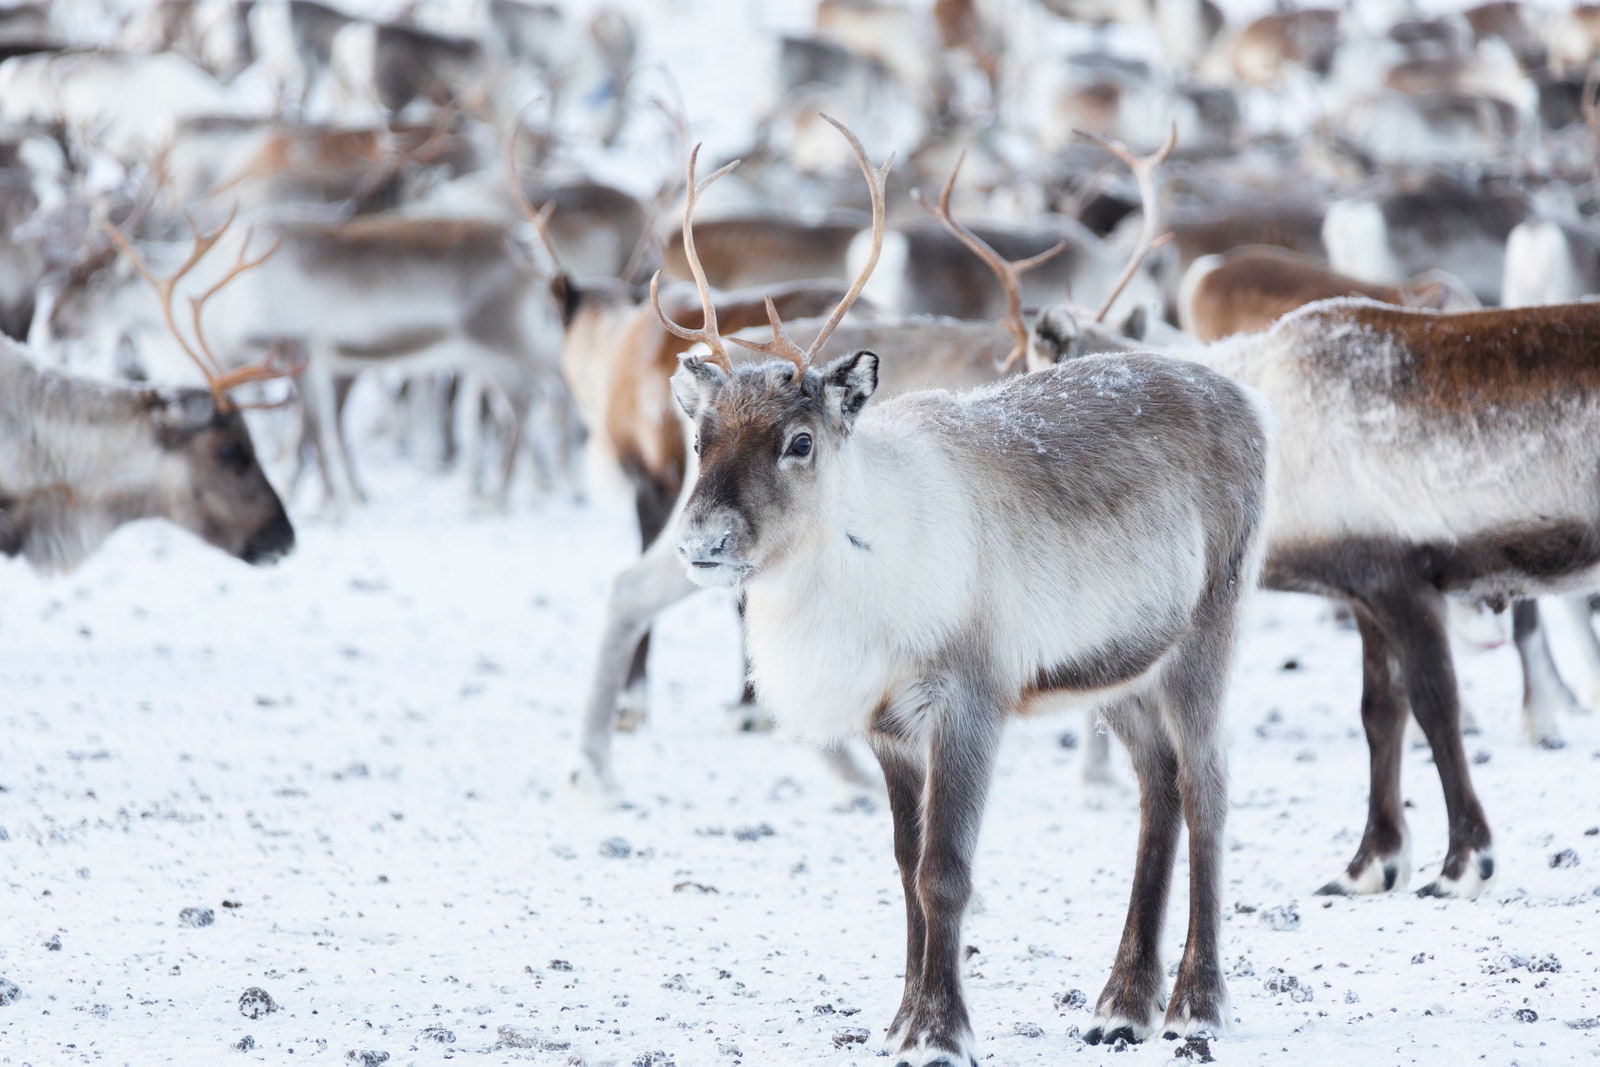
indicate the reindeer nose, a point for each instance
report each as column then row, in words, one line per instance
column 706, row 549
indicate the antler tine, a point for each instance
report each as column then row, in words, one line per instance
column 197, row 304
column 1144, row 174
column 165, row 287
column 708, row 330
column 1010, row 273
column 538, row 217
column 780, row 344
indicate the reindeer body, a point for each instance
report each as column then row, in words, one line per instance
column 921, row 570
column 80, row 458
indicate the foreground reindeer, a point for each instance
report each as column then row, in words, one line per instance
column 917, row 571
column 80, row 458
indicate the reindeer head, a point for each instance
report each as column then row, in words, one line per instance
column 212, row 484
column 768, row 435
column 767, row 441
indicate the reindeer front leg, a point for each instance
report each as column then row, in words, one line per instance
column 905, row 776
column 932, row 1028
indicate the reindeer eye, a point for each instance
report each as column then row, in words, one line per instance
column 801, row 445
column 697, row 444
column 232, row 457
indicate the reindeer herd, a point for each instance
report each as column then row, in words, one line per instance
column 1204, row 304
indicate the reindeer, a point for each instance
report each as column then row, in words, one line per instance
column 916, row 571
column 79, row 458
column 1248, row 289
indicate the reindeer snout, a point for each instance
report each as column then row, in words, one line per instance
column 709, row 552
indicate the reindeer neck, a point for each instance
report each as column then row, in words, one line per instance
column 75, row 462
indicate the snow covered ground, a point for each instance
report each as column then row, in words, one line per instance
column 354, row 762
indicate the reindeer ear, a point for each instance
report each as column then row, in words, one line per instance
column 179, row 414
column 695, row 384
column 847, row 383
column 1055, row 337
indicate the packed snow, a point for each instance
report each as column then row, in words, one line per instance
column 339, row 784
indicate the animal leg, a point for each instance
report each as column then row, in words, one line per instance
column 1130, row 1005
column 1544, row 692
column 964, row 735
column 652, row 503
column 1580, row 614
column 638, row 594
column 1195, row 684
column 1383, row 859
column 1414, row 622
column 905, row 776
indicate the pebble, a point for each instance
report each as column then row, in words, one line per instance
column 366, row 1057
column 616, row 848
column 1028, row 1030
column 9, row 991
column 1525, row 1015
column 54, row 943
column 511, row 1037
column 1565, row 858
column 1283, row 917
column 197, row 917
column 1071, row 1000
column 256, row 1002
column 850, row 1035
column 438, row 1034
column 245, row 1043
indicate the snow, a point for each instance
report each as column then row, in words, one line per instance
column 356, row 761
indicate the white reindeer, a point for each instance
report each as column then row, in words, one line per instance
column 919, row 570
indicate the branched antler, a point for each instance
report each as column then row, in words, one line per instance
column 539, row 217
column 1009, row 272
column 708, row 330
column 218, row 380
column 1144, row 173
column 781, row 345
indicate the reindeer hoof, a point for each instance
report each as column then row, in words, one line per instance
column 594, row 786
column 1099, row 1034
column 1476, row 870
column 1375, row 874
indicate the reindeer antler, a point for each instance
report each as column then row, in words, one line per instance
column 218, row 380
column 1144, row 173
column 1009, row 272
column 539, row 217
column 781, row 345
column 708, row 330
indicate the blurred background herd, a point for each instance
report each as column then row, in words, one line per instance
column 443, row 185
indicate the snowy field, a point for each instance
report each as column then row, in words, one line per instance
column 354, row 763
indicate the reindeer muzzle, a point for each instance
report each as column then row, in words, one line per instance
column 270, row 543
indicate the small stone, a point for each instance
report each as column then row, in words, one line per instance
column 850, row 1035
column 1525, row 1015
column 1593, row 831
column 197, row 917
column 1290, row 664
column 1071, row 1000
column 1565, row 858
column 677, row 983
column 256, row 1002
column 560, row 965
column 753, row 833
column 366, row 1057
column 1351, row 997
column 1283, row 917
column 9, row 992
column 1195, row 1049
column 1546, row 964
column 1421, row 957
column 53, row 943
column 616, row 848
column 245, row 1043
column 1279, row 982
column 438, row 1035
column 728, row 1048
column 1028, row 1030
column 510, row 1037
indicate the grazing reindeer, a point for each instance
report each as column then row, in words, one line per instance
column 918, row 570
column 80, row 458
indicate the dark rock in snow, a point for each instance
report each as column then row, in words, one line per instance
column 1565, row 858
column 366, row 1057
column 1028, row 1030
column 1546, row 964
column 1283, row 917
column 753, row 833
column 197, row 917
column 9, row 992
column 256, row 1002
column 53, row 943
column 1071, row 1000
column 616, row 848
column 560, row 965
column 1287, row 984
column 511, row 1037
column 438, row 1034
column 850, row 1035
column 1525, row 1015
column 245, row 1043
column 1195, row 1049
